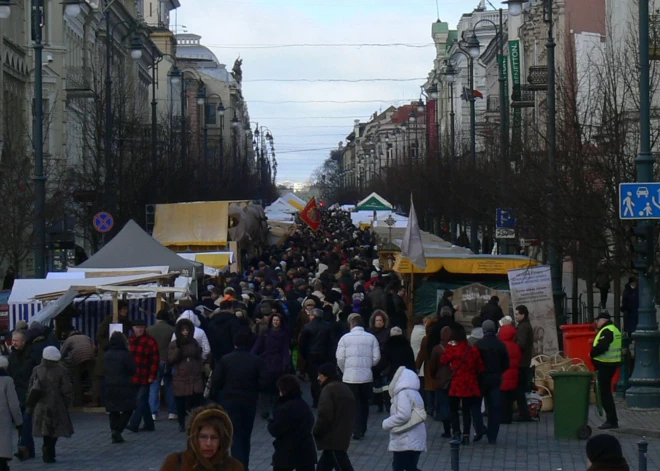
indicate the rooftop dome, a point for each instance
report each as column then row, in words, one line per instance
column 188, row 46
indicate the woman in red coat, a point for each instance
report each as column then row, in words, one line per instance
column 507, row 335
column 464, row 392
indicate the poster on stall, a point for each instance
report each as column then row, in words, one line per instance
column 469, row 300
column 532, row 287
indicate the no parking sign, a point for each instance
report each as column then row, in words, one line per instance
column 103, row 222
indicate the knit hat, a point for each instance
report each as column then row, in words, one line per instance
column 489, row 326
column 604, row 315
column 394, row 331
column 52, row 354
column 329, row 370
column 21, row 325
column 139, row 322
column 601, row 447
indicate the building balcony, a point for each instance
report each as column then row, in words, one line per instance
column 538, row 78
column 78, row 82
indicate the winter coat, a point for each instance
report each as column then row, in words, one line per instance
column 611, row 463
column 185, row 355
column 291, row 427
column 10, row 414
column 435, row 368
column 525, row 338
column 103, row 338
column 496, row 361
column 119, row 367
column 336, row 416
column 199, row 335
column 424, row 355
column 79, row 346
column 404, row 390
column 273, row 347
column 377, row 299
column 396, row 352
column 507, row 334
column 316, row 340
column 51, row 414
column 357, row 353
column 221, row 330
column 20, row 369
column 239, row 376
column 39, row 342
column 444, row 302
column 189, row 460
column 492, row 311
column 383, row 333
column 466, row 365
column 416, row 337
column 162, row 332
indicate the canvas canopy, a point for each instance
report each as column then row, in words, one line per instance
column 374, row 202
column 192, row 224
column 294, row 201
column 133, row 247
column 465, row 264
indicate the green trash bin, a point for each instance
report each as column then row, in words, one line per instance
column 571, row 402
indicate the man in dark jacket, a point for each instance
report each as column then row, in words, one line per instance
column 162, row 332
column 606, row 357
column 335, row 421
column 20, row 369
column 396, row 352
column 492, row 310
column 221, row 330
column 236, row 382
column 496, row 361
column 396, row 306
column 315, row 347
column 525, row 338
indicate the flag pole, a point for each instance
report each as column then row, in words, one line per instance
column 411, row 301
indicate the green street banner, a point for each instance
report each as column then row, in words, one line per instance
column 516, row 128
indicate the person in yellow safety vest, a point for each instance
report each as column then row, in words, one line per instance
column 606, row 356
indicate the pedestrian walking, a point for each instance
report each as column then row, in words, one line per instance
column 416, row 338
column 464, row 392
column 236, row 382
column 335, row 420
column 210, row 433
column 422, row 362
column 317, row 348
column 291, row 427
column 406, row 421
column 357, row 353
column 379, row 327
column 492, row 310
column 477, row 330
column 495, row 358
column 20, row 369
column 199, row 334
column 221, row 329
column 630, row 305
column 603, row 282
column 78, row 350
column 145, row 352
column 396, row 352
column 185, row 356
column 120, row 393
column 49, row 397
column 507, row 334
column 525, row 338
column 440, row 376
column 606, row 357
column 162, row 332
column 10, row 414
column 273, row 346
column 604, row 453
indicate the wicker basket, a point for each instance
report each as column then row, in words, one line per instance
column 550, row 381
column 560, row 363
column 540, row 379
column 542, row 363
column 578, row 367
column 547, row 403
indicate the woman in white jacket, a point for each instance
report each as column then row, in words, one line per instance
column 406, row 421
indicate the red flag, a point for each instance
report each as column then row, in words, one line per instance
column 311, row 215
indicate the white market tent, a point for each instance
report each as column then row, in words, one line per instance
column 294, row 201
column 374, row 202
column 367, row 218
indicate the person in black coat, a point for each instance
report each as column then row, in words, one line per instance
column 120, row 393
column 496, row 361
column 291, row 427
column 221, row 329
column 396, row 352
column 492, row 310
column 316, row 348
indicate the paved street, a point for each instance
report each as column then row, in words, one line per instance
column 520, row 447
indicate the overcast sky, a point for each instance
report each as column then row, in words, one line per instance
column 305, row 132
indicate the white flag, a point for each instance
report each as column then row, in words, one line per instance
column 412, row 246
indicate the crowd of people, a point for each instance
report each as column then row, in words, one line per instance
column 318, row 309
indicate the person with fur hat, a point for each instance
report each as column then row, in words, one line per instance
column 604, row 453
column 185, row 356
column 49, row 397
column 120, row 393
column 10, row 414
column 210, row 433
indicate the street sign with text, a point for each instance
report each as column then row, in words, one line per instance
column 502, row 233
column 639, row 200
column 504, row 219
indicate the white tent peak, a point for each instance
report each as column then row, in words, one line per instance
column 378, row 198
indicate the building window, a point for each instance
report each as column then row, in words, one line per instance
column 211, row 117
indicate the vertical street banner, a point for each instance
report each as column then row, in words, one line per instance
column 532, row 287
column 516, row 128
column 311, row 215
column 502, row 61
column 432, row 129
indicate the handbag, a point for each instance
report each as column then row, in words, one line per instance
column 35, row 394
column 417, row 416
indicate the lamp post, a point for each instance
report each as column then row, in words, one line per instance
column 202, row 100
column 554, row 257
column 235, row 123
column 450, row 77
column 157, row 58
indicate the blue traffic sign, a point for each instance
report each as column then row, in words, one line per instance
column 504, row 219
column 639, row 200
column 103, row 222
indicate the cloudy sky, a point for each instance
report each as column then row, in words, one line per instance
column 309, row 118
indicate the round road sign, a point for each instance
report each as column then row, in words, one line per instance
column 103, row 222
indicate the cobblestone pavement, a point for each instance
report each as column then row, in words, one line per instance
column 522, row 446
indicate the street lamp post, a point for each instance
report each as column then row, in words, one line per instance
column 450, row 78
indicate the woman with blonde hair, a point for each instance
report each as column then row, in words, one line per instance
column 210, row 433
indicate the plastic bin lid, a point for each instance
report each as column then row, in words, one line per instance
column 564, row 374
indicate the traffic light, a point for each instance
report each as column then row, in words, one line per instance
column 644, row 247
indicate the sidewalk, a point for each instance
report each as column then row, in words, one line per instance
column 643, row 423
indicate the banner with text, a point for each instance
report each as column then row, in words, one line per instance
column 516, row 128
column 532, row 287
